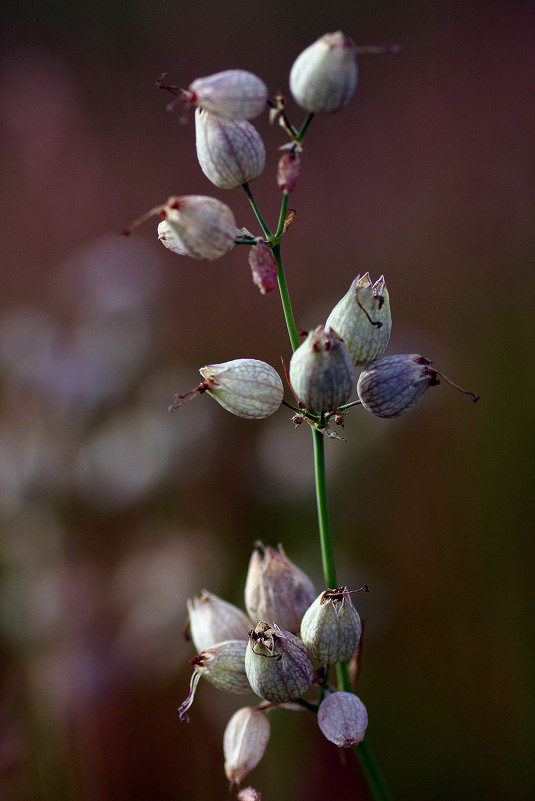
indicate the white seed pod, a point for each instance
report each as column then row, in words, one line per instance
column 212, row 620
column 277, row 664
column 343, row 719
column 363, row 319
column 263, row 267
column 248, row 388
column 237, row 94
column 205, row 227
column 249, row 794
column 276, row 589
column 244, row 742
column 323, row 77
column 230, row 152
column 331, row 627
column 393, row 385
column 223, row 665
column 321, row 371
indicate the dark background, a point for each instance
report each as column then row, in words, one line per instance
column 114, row 512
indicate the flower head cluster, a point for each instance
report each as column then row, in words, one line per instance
column 272, row 651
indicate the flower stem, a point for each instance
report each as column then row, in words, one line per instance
column 257, row 211
column 285, row 298
column 327, row 556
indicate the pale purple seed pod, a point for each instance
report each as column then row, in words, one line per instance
column 204, row 227
column 322, row 371
column 248, row 388
column 263, row 267
column 236, row 94
column 343, row 719
column 393, row 385
column 230, row 152
column 212, row 620
column 244, row 742
column 288, row 172
column 277, row 664
column 223, row 665
column 331, row 627
column 363, row 319
column 323, row 77
column 276, row 589
column 249, row 794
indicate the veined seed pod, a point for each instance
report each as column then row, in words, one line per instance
column 223, row 666
column 236, row 94
column 249, row 794
column 323, row 77
column 321, row 371
column 363, row 319
column 331, row 627
column 230, row 152
column 276, row 589
column 244, row 742
column 204, row 226
column 212, row 620
column 263, row 267
column 343, row 719
column 393, row 385
column 170, row 239
column 277, row 664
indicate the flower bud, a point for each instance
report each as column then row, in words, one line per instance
column 363, row 319
column 230, row 152
column 342, row 717
column 393, row 385
column 244, row 742
column 248, row 388
column 236, row 94
column 321, row 371
column 212, row 620
column 288, row 172
column 205, row 227
column 277, row 664
column 276, row 589
column 263, row 267
column 331, row 627
column 223, row 666
column 323, row 77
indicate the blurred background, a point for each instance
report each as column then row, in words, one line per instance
column 114, row 512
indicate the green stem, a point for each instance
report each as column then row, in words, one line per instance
column 257, row 212
column 285, row 298
column 282, row 214
column 327, row 556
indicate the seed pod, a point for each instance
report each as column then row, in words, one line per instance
column 236, row 94
column 331, row 627
column 277, row 664
column 263, row 267
column 212, row 620
column 321, row 371
column 276, row 589
column 288, row 172
column 363, row 319
column 248, row 388
column 230, row 152
column 223, row 666
column 323, row 77
column 249, row 794
column 342, row 717
column 393, row 385
column 204, row 226
column 244, row 742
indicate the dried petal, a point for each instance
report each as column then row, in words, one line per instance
column 244, row 742
column 288, row 171
column 263, row 267
column 276, row 589
column 277, row 664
